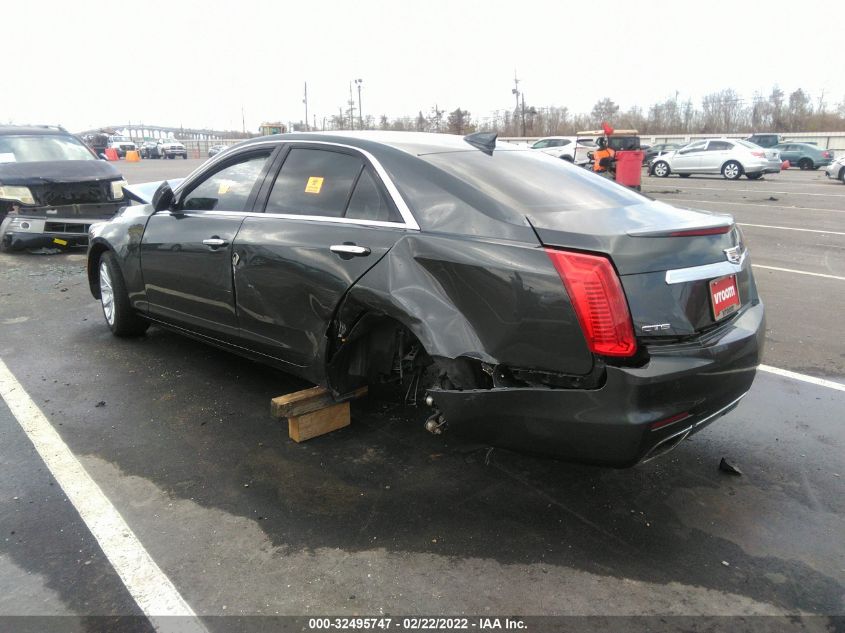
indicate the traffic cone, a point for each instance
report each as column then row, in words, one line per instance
column 132, row 156
column 111, row 154
column 785, row 165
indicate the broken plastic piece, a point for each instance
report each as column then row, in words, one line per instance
column 726, row 467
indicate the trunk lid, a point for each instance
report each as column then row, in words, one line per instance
column 666, row 258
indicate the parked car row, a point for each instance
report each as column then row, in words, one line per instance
column 836, row 169
column 163, row 148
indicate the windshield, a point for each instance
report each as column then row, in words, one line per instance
column 42, row 147
column 120, row 138
column 747, row 144
column 533, row 182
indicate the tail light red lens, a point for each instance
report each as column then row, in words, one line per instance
column 826, row 154
column 759, row 154
column 599, row 301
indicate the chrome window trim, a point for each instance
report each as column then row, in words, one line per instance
column 408, row 220
column 708, row 271
column 316, row 218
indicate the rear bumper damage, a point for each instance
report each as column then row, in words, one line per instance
column 618, row 424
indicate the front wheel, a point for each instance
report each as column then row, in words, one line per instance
column 753, row 176
column 120, row 317
column 185, row 156
column 732, row 170
column 661, row 169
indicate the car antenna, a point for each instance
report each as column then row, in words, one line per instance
column 485, row 141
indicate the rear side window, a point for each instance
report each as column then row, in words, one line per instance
column 228, row 189
column 314, row 182
column 718, row 146
column 368, row 202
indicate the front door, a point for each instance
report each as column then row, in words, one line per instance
column 328, row 220
column 716, row 155
column 688, row 159
column 186, row 251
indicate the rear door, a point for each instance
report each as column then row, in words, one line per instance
column 715, row 155
column 186, row 251
column 328, row 219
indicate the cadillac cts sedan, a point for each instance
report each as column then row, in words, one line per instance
column 529, row 303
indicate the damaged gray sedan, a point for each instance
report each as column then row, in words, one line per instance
column 531, row 304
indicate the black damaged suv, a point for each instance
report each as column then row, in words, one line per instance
column 52, row 188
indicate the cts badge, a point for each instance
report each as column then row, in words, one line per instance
column 734, row 254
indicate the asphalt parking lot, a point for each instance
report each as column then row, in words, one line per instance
column 383, row 518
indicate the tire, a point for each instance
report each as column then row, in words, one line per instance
column 661, row 169
column 842, row 174
column 684, row 175
column 120, row 317
column 185, row 156
column 805, row 164
column 732, row 170
column 753, row 176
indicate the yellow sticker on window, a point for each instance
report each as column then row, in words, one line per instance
column 315, row 184
column 223, row 187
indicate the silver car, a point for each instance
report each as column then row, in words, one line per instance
column 730, row 157
column 836, row 169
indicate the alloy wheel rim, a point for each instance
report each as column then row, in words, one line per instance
column 731, row 171
column 106, row 294
column 660, row 170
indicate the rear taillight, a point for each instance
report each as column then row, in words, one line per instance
column 759, row 154
column 599, row 302
column 826, row 154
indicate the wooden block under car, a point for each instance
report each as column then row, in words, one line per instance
column 320, row 422
column 313, row 412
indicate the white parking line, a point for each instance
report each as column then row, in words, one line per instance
column 774, row 207
column 769, row 191
column 151, row 589
column 799, row 272
column 830, row 384
column 790, row 228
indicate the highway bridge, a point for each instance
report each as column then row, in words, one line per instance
column 148, row 131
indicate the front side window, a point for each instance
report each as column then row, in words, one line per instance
column 694, row 147
column 541, row 144
column 42, row 147
column 228, row 189
column 314, row 182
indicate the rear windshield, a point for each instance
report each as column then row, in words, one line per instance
column 533, row 182
column 42, row 147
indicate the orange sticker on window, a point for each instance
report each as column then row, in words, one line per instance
column 315, row 184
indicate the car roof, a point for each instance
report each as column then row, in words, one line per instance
column 32, row 130
column 414, row 143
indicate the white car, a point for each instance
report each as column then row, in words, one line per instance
column 171, row 148
column 730, row 157
column 836, row 169
column 569, row 148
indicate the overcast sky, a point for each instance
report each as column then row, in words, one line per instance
column 86, row 64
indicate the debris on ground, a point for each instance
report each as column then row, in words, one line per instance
column 726, row 563
column 726, row 467
column 773, row 199
column 101, row 403
column 45, row 251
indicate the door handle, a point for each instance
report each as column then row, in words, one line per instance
column 215, row 242
column 350, row 249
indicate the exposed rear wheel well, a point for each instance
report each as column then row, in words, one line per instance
column 94, row 256
column 379, row 350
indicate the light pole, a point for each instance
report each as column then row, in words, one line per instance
column 358, row 83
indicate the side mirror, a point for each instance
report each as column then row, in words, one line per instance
column 163, row 197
